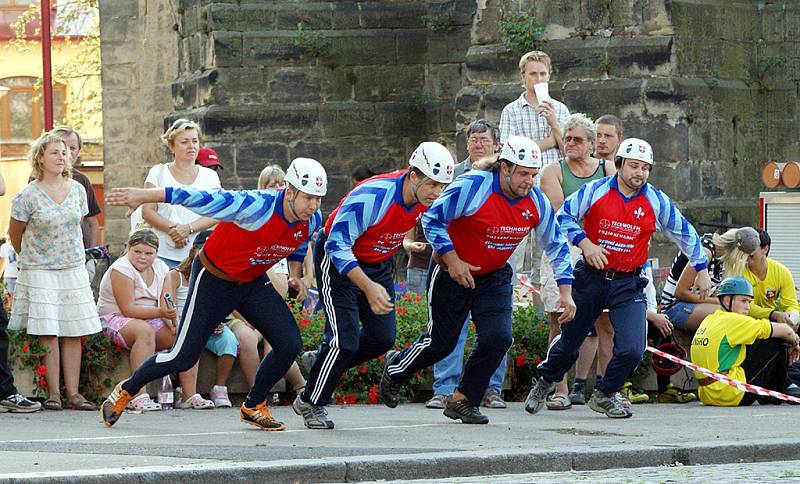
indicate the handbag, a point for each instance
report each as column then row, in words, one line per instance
column 165, row 210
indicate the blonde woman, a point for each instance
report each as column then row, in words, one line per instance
column 177, row 226
column 727, row 255
column 52, row 298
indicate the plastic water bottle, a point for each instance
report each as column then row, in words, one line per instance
column 166, row 394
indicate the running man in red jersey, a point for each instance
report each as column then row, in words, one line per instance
column 258, row 229
column 353, row 257
column 474, row 228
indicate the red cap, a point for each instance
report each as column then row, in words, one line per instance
column 208, row 158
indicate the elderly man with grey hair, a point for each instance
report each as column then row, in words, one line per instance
column 559, row 181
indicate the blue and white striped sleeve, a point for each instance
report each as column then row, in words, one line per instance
column 576, row 206
column 461, row 198
column 672, row 222
column 313, row 225
column 361, row 209
column 549, row 236
column 249, row 209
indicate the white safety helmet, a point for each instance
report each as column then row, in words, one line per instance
column 434, row 161
column 522, row 151
column 308, row 176
column 635, row 149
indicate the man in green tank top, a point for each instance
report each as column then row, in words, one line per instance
column 558, row 182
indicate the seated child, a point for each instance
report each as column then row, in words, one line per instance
column 745, row 349
column 133, row 311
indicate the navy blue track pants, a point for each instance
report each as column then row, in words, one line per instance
column 345, row 342
column 491, row 304
column 208, row 302
column 592, row 293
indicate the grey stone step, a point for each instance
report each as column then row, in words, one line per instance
column 345, row 47
column 576, row 58
column 316, row 15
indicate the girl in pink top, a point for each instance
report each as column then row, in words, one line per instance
column 133, row 311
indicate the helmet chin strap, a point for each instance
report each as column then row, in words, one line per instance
column 291, row 203
column 726, row 307
column 415, row 186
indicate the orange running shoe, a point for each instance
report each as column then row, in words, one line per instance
column 113, row 406
column 260, row 417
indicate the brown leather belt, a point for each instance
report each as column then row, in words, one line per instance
column 214, row 270
column 703, row 382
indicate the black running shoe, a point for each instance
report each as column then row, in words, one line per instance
column 461, row 409
column 389, row 390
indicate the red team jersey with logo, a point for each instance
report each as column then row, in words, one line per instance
column 624, row 226
column 474, row 218
column 370, row 222
column 253, row 235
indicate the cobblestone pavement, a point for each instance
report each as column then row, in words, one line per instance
column 762, row 472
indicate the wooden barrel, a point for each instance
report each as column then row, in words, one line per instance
column 771, row 174
column 790, row 174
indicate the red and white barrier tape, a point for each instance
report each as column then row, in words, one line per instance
column 745, row 387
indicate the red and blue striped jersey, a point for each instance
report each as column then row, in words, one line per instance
column 474, row 218
column 370, row 222
column 624, row 225
column 253, row 234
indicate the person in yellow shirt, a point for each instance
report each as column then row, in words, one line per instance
column 746, row 349
column 774, row 294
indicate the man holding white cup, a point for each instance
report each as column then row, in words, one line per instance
column 535, row 114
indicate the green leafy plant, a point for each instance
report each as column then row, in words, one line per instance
column 768, row 67
column 312, row 43
column 521, row 32
column 442, row 20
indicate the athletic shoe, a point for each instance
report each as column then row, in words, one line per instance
column 492, row 399
column 438, row 401
column 622, row 400
column 578, row 394
column 219, row 395
column 17, row 403
column 389, row 390
column 611, row 406
column 461, row 409
column 314, row 416
column 113, row 406
column 260, row 417
column 538, row 394
column 674, row 395
column 633, row 396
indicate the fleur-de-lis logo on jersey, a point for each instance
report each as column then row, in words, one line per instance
column 638, row 213
column 527, row 214
column 298, row 234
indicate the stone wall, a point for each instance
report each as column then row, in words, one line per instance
column 136, row 94
column 713, row 85
column 362, row 84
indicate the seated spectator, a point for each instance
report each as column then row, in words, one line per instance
column 727, row 342
column 774, row 293
column 133, row 311
column 222, row 343
column 727, row 255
